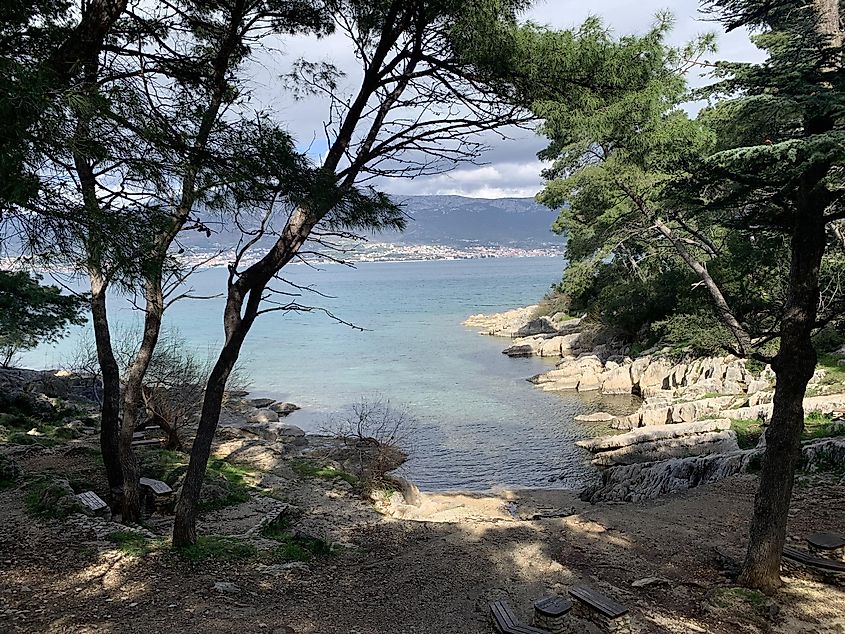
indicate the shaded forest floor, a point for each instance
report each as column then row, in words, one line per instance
column 412, row 576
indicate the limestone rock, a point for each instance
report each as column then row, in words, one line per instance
column 648, row 434
column 540, row 326
column 283, row 409
column 264, row 416
column 617, row 380
column 262, row 403
column 598, row 417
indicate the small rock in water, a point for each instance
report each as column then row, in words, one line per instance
column 284, row 408
column 264, row 416
column 261, row 403
column 598, row 417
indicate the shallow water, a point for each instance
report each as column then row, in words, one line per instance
column 480, row 424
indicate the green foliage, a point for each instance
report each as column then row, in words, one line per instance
column 816, row 426
column 309, row 469
column 31, row 313
column 701, row 333
column 295, row 546
column 211, row 547
column 50, row 498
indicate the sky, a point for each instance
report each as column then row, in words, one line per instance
column 511, row 167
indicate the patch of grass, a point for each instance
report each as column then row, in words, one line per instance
column 236, row 474
column 218, row 548
column 294, row 546
column 132, row 544
column 164, row 464
column 308, row 469
column 48, row 499
column 725, row 597
column 17, row 420
column 816, row 425
column 748, row 432
column 712, row 395
column 834, row 373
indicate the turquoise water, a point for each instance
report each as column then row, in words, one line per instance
column 480, row 425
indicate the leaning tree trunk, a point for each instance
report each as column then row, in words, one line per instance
column 184, row 526
column 133, row 397
column 794, row 366
column 110, row 407
column 237, row 321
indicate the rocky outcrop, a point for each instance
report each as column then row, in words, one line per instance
column 637, row 482
column 650, row 444
column 506, row 324
column 646, row 481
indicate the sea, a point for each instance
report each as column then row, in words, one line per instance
column 391, row 332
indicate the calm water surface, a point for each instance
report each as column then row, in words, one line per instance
column 480, row 424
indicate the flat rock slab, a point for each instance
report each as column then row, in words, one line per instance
column 598, row 417
column 646, row 434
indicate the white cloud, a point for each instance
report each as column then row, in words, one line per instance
column 514, row 169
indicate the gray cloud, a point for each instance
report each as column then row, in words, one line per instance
column 512, row 168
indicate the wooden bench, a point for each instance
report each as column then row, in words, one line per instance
column 146, row 442
column 505, row 620
column 593, row 606
column 827, row 544
column 92, row 501
column 552, row 613
column 820, row 564
column 155, row 486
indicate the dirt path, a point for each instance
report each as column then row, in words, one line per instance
column 419, row 575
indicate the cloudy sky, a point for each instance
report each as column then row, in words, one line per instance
column 511, row 168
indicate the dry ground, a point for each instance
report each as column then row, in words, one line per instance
column 406, row 576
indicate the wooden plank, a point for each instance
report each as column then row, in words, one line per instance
column 506, row 622
column 92, row 500
column 553, row 607
column 598, row 601
column 146, row 443
column 156, row 486
column 821, row 563
column 826, row 541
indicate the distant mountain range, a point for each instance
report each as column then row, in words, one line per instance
column 459, row 221
column 438, row 227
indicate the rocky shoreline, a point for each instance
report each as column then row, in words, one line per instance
column 681, row 434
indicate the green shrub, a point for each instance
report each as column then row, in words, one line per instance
column 295, row 546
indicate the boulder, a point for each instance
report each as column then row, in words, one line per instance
column 617, row 380
column 261, row 403
column 263, row 416
column 656, row 416
column 589, row 382
column 550, row 347
column 758, row 385
column 656, row 374
column 631, row 421
column 540, row 326
column 283, row 409
column 520, row 348
column 275, row 432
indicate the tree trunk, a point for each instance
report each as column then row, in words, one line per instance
column 133, row 397
column 110, row 408
column 184, row 526
column 794, row 366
